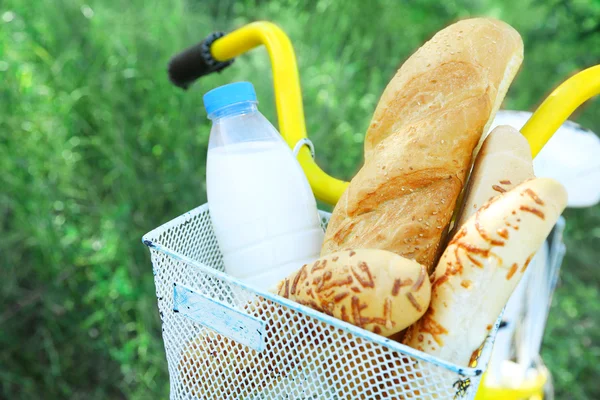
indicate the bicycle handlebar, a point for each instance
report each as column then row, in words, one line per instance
column 288, row 96
column 217, row 52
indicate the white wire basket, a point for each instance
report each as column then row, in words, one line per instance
column 226, row 340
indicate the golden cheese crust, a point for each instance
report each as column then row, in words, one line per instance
column 373, row 289
column 482, row 265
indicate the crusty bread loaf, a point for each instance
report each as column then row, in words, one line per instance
column 419, row 145
column 234, row 368
column 238, row 371
column 373, row 289
column 481, row 267
column 503, row 162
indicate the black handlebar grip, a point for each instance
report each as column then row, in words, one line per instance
column 195, row 62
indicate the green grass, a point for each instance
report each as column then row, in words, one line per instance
column 97, row 148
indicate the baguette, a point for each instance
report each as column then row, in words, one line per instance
column 419, row 144
column 481, row 267
column 503, row 162
column 376, row 290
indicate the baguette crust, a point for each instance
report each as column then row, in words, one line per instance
column 481, row 267
column 419, row 145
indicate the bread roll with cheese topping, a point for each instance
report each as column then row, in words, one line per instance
column 481, row 267
column 373, row 289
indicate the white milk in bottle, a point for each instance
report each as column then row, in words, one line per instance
column 262, row 209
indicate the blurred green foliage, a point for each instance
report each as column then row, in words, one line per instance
column 97, row 148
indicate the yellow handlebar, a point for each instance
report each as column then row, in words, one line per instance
column 557, row 107
column 288, row 97
column 553, row 112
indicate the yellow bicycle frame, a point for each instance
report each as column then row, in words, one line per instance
column 532, row 390
column 553, row 112
column 288, row 97
column 559, row 105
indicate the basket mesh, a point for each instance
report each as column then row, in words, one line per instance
column 307, row 355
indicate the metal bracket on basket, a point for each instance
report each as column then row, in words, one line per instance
column 220, row 317
column 302, row 142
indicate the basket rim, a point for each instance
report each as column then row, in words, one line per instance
column 150, row 240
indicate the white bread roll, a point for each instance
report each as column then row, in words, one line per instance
column 376, row 290
column 503, row 162
column 420, row 142
column 481, row 267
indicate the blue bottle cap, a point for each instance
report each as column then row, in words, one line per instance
column 227, row 95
